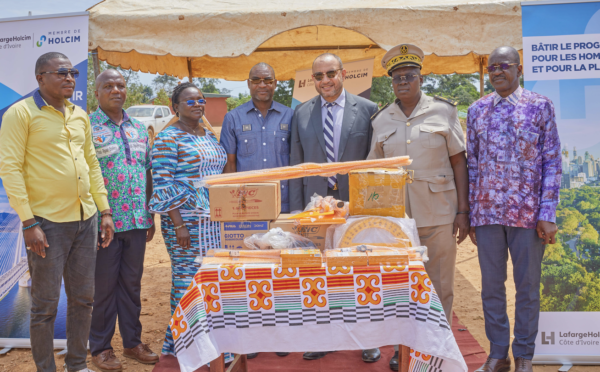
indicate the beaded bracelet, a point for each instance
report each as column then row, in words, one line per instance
column 179, row 227
column 30, row 226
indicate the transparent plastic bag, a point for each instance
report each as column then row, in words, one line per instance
column 328, row 204
column 277, row 239
column 381, row 232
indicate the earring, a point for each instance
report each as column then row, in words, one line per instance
column 177, row 114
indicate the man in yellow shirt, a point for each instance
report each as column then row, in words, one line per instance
column 53, row 181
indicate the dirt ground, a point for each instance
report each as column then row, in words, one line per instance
column 155, row 309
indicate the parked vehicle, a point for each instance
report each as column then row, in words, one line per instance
column 155, row 118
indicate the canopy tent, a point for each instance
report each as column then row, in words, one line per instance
column 224, row 39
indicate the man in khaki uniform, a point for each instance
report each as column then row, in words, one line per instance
column 427, row 129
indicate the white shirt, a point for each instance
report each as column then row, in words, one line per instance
column 338, row 116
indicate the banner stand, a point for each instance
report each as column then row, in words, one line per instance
column 359, row 77
column 22, row 41
column 561, row 60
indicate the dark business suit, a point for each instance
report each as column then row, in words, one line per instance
column 308, row 144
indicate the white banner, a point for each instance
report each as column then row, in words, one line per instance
column 22, row 41
column 359, row 76
column 568, row 333
column 561, row 60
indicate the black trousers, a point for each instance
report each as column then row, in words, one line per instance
column 119, row 269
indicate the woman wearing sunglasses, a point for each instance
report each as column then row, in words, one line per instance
column 183, row 154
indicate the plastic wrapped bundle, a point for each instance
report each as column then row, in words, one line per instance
column 277, row 239
column 301, row 258
column 346, row 257
column 237, row 260
column 378, row 192
column 303, row 170
column 376, row 254
column 244, row 253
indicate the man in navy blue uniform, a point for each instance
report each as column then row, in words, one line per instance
column 256, row 135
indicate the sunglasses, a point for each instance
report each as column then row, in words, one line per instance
column 64, row 72
column 318, row 76
column 258, row 81
column 404, row 78
column 500, row 67
column 192, row 102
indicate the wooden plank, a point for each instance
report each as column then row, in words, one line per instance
column 218, row 365
column 403, row 358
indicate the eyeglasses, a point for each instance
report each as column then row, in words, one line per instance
column 192, row 102
column 318, row 76
column 404, row 78
column 500, row 67
column 258, row 81
column 64, row 72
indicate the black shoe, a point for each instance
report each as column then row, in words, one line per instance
column 394, row 362
column 371, row 355
column 314, row 355
column 282, row 354
column 251, row 355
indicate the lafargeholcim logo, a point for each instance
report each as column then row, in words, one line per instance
column 41, row 41
column 547, row 340
column 58, row 40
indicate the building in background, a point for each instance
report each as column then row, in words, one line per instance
column 216, row 108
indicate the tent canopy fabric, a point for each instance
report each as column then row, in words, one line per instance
column 224, row 39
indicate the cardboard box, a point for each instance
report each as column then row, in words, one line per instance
column 245, row 202
column 316, row 233
column 378, row 192
column 234, row 233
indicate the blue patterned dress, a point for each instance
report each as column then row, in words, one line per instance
column 179, row 161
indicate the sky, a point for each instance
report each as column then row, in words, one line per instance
column 21, row 8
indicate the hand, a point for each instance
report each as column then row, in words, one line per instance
column 472, row 235
column 183, row 237
column 546, row 231
column 107, row 230
column 461, row 225
column 35, row 239
column 150, row 233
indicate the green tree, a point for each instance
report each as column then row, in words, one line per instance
column 233, row 102
column 284, row 92
column 460, row 87
column 165, row 82
column 382, row 91
column 162, row 98
column 589, row 235
column 136, row 95
column 208, row 85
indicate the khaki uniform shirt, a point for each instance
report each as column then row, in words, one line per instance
column 429, row 136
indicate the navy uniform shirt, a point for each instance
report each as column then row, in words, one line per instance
column 259, row 142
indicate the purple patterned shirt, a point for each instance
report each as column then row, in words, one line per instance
column 124, row 155
column 514, row 160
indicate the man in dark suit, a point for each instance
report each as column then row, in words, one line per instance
column 335, row 126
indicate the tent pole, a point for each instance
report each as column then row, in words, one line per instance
column 96, row 63
column 189, row 65
column 481, row 82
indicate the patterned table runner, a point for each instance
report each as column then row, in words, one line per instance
column 265, row 308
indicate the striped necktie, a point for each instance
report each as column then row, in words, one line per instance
column 328, row 131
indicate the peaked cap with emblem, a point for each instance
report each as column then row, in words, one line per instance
column 401, row 56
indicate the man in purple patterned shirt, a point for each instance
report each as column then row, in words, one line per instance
column 123, row 151
column 514, row 163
